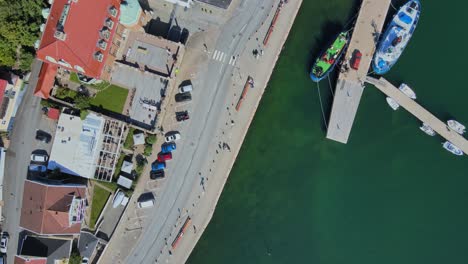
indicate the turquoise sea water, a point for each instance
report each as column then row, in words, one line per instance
column 391, row 195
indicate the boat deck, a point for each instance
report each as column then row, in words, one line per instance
column 418, row 111
column 350, row 84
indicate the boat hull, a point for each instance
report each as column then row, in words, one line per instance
column 387, row 53
column 317, row 78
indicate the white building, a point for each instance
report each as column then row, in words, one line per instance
column 77, row 144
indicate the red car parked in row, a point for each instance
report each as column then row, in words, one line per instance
column 164, row 156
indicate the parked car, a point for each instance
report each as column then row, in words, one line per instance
column 185, row 88
column 39, row 157
column 157, row 174
column 85, row 260
column 157, row 165
column 172, row 136
column 182, row 97
column 356, row 59
column 4, row 242
column 182, row 116
column 168, row 147
column 162, row 157
column 145, row 200
column 43, row 136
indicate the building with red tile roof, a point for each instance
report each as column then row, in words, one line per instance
column 10, row 89
column 46, row 80
column 78, row 36
column 52, row 209
column 30, row 260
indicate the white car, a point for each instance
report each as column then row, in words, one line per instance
column 39, row 157
column 173, row 137
column 4, row 243
column 85, row 260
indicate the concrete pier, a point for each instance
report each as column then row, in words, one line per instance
column 350, row 84
column 418, row 111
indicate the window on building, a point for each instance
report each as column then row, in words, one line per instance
column 49, row 58
column 99, row 56
column 113, row 11
column 62, row 62
column 79, row 68
column 105, row 33
column 102, row 44
column 109, row 23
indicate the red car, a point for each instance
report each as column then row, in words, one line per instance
column 356, row 59
column 164, row 156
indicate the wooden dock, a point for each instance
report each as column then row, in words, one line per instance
column 350, row 84
column 418, row 111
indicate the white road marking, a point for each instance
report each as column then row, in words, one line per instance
column 230, row 61
column 224, row 57
column 215, row 54
column 233, row 60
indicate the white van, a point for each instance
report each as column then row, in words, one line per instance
column 185, row 88
column 38, row 157
column 145, row 200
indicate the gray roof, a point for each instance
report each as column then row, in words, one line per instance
column 51, row 248
column 87, row 244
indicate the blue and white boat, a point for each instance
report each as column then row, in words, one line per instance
column 452, row 148
column 396, row 37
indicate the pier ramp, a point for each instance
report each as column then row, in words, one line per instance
column 350, row 83
column 418, row 111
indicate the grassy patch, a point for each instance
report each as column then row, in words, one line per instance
column 118, row 166
column 65, row 93
column 110, row 185
column 74, row 77
column 112, row 98
column 99, row 201
column 128, row 144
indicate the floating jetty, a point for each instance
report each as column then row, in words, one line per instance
column 350, row 83
column 418, row 111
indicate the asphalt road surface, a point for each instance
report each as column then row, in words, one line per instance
column 199, row 135
column 18, row 157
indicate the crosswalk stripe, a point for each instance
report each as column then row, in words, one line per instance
column 230, row 60
column 215, row 54
column 224, row 57
column 220, row 54
column 233, row 60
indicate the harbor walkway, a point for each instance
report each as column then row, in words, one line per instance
column 418, row 111
column 350, row 83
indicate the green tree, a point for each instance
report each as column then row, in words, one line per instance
column 19, row 29
column 151, row 139
column 75, row 258
column 148, row 150
column 82, row 102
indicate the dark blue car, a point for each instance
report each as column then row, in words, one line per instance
column 158, row 166
column 168, row 147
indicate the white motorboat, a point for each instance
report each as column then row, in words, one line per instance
column 392, row 103
column 427, row 129
column 404, row 88
column 456, row 126
column 452, row 148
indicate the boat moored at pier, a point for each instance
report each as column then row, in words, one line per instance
column 328, row 59
column 456, row 126
column 452, row 148
column 392, row 103
column 404, row 88
column 427, row 129
column 396, row 37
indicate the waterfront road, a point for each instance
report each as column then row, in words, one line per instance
column 200, row 134
column 18, row 157
column 200, row 138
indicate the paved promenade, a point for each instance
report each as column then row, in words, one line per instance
column 418, row 111
column 350, row 83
